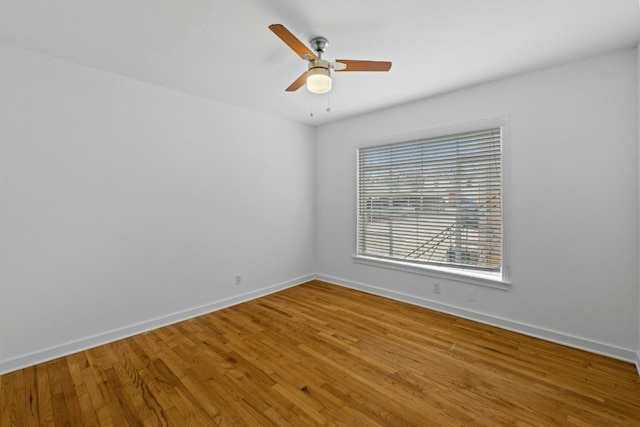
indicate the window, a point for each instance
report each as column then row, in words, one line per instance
column 434, row 203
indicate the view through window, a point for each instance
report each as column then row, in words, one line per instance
column 435, row 201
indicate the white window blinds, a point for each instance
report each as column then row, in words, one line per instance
column 434, row 201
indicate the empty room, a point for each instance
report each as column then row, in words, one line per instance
column 268, row 212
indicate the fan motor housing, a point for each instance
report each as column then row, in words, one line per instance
column 319, row 63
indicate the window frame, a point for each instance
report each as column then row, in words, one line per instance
column 498, row 280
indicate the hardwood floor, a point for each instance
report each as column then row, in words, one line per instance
column 319, row 354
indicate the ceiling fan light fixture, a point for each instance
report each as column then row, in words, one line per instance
column 319, row 77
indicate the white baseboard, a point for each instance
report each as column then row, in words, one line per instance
column 525, row 329
column 638, row 362
column 128, row 331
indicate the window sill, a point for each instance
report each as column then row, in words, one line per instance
column 472, row 277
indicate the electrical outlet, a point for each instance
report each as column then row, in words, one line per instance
column 436, row 288
column 238, row 280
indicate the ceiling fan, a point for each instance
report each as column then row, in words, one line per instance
column 318, row 75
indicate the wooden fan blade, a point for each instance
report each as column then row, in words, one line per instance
column 298, row 47
column 300, row 81
column 364, row 65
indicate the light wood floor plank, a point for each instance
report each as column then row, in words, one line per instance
column 319, row 354
column 45, row 410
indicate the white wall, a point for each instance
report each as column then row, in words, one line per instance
column 126, row 206
column 571, row 199
column 638, row 131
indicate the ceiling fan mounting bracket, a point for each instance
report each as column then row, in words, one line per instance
column 319, row 44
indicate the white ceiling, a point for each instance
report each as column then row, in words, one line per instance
column 223, row 50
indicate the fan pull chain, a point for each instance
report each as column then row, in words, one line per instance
column 328, row 106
